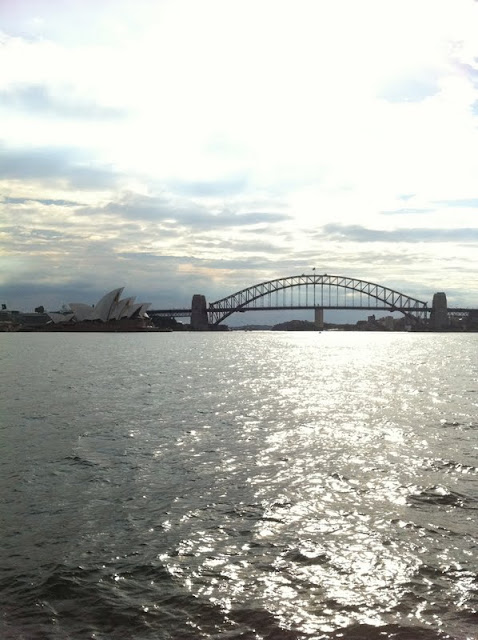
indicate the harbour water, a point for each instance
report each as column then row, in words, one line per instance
column 239, row 485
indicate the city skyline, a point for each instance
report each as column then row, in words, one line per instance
column 176, row 147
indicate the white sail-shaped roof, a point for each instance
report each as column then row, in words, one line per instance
column 60, row 317
column 104, row 307
column 144, row 307
column 120, row 309
column 125, row 311
column 132, row 309
column 81, row 310
column 109, row 307
column 138, row 310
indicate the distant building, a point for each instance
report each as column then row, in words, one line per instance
column 20, row 321
column 388, row 322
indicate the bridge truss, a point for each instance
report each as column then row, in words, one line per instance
column 313, row 291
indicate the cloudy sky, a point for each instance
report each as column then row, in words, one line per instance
column 183, row 146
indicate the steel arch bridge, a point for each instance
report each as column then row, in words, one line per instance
column 317, row 291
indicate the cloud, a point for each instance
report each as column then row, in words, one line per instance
column 41, row 100
column 470, row 71
column 357, row 233
column 27, row 295
column 54, row 165
column 183, row 212
column 45, row 201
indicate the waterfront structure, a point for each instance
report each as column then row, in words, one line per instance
column 313, row 291
column 320, row 292
column 110, row 313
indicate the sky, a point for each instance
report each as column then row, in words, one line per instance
column 176, row 147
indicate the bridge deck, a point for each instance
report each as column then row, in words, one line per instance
column 176, row 313
column 187, row 312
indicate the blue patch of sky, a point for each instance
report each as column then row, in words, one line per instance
column 406, row 210
column 206, row 189
column 461, row 202
column 410, row 89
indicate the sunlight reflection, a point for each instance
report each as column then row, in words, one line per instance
column 310, row 511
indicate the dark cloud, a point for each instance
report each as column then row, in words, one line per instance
column 87, row 276
column 21, row 235
column 356, row 233
column 242, row 245
column 248, row 263
column 154, row 257
column 39, row 99
column 189, row 214
column 48, row 234
column 257, row 246
column 45, row 201
column 26, row 296
column 54, row 164
column 229, row 219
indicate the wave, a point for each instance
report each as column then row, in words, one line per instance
column 439, row 495
column 450, row 466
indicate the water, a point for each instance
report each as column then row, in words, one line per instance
column 239, row 485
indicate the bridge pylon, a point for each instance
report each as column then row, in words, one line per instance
column 199, row 318
column 319, row 318
column 439, row 316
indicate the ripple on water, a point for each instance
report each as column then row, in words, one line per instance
column 240, row 486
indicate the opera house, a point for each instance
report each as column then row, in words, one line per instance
column 110, row 313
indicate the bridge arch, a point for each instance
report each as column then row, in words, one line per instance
column 384, row 297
